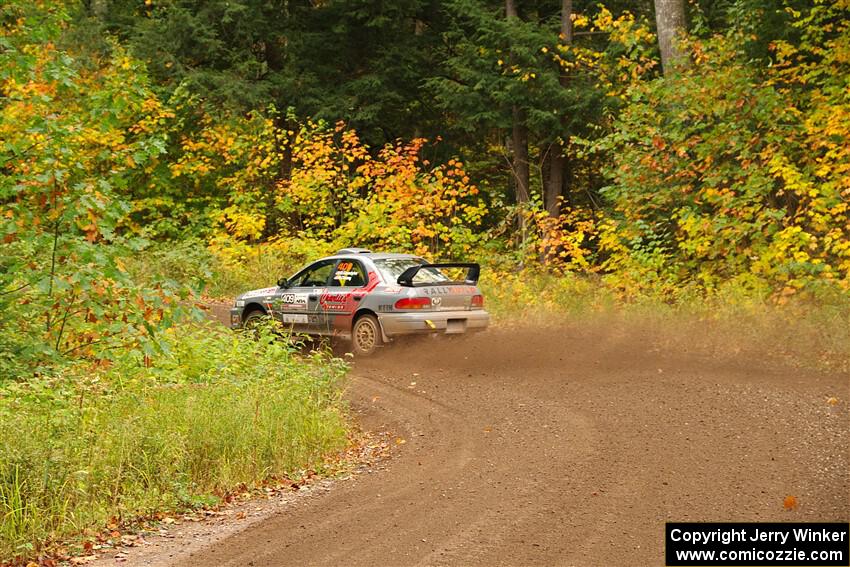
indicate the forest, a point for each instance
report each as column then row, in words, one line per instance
column 156, row 154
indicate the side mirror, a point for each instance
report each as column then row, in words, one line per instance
column 283, row 282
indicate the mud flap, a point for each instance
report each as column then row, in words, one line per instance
column 384, row 336
column 455, row 326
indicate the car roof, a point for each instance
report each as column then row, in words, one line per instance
column 373, row 255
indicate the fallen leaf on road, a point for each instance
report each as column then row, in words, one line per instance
column 790, row 503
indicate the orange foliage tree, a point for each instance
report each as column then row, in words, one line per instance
column 322, row 183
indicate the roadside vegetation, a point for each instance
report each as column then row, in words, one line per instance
column 90, row 443
column 155, row 154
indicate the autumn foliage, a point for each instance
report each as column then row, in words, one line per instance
column 335, row 188
column 727, row 175
column 138, row 175
column 733, row 176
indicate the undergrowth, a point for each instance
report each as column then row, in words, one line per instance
column 212, row 411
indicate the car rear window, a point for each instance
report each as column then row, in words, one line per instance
column 392, row 268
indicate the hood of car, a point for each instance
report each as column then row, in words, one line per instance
column 258, row 293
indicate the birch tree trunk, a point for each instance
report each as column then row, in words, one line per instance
column 670, row 21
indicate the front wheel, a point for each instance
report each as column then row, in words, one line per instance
column 365, row 335
column 254, row 319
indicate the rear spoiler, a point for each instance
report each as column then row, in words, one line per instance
column 406, row 278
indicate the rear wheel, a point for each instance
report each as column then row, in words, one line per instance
column 365, row 335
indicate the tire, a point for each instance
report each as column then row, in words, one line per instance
column 365, row 335
column 253, row 319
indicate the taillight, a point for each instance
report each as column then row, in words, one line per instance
column 413, row 303
column 477, row 301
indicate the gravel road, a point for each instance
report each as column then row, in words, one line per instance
column 564, row 446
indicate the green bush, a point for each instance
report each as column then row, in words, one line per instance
column 212, row 411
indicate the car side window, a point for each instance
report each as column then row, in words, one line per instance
column 349, row 273
column 316, row 275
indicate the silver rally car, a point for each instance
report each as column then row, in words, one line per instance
column 369, row 298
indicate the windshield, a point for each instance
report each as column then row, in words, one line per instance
column 392, row 268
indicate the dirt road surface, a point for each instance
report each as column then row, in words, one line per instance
column 566, row 446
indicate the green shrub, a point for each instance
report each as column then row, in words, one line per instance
column 212, row 411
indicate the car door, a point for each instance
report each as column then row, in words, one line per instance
column 299, row 304
column 345, row 290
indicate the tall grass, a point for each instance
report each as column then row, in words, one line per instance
column 212, row 411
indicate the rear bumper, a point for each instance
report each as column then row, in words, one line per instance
column 448, row 322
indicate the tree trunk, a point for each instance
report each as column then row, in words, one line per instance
column 670, row 21
column 553, row 183
column 519, row 145
column 567, row 21
column 284, row 173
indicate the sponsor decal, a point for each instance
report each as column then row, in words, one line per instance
column 344, row 301
column 294, row 318
column 385, row 308
column 260, row 292
column 294, row 300
column 431, row 291
column 448, row 290
column 345, row 272
column 334, row 301
column 392, row 289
